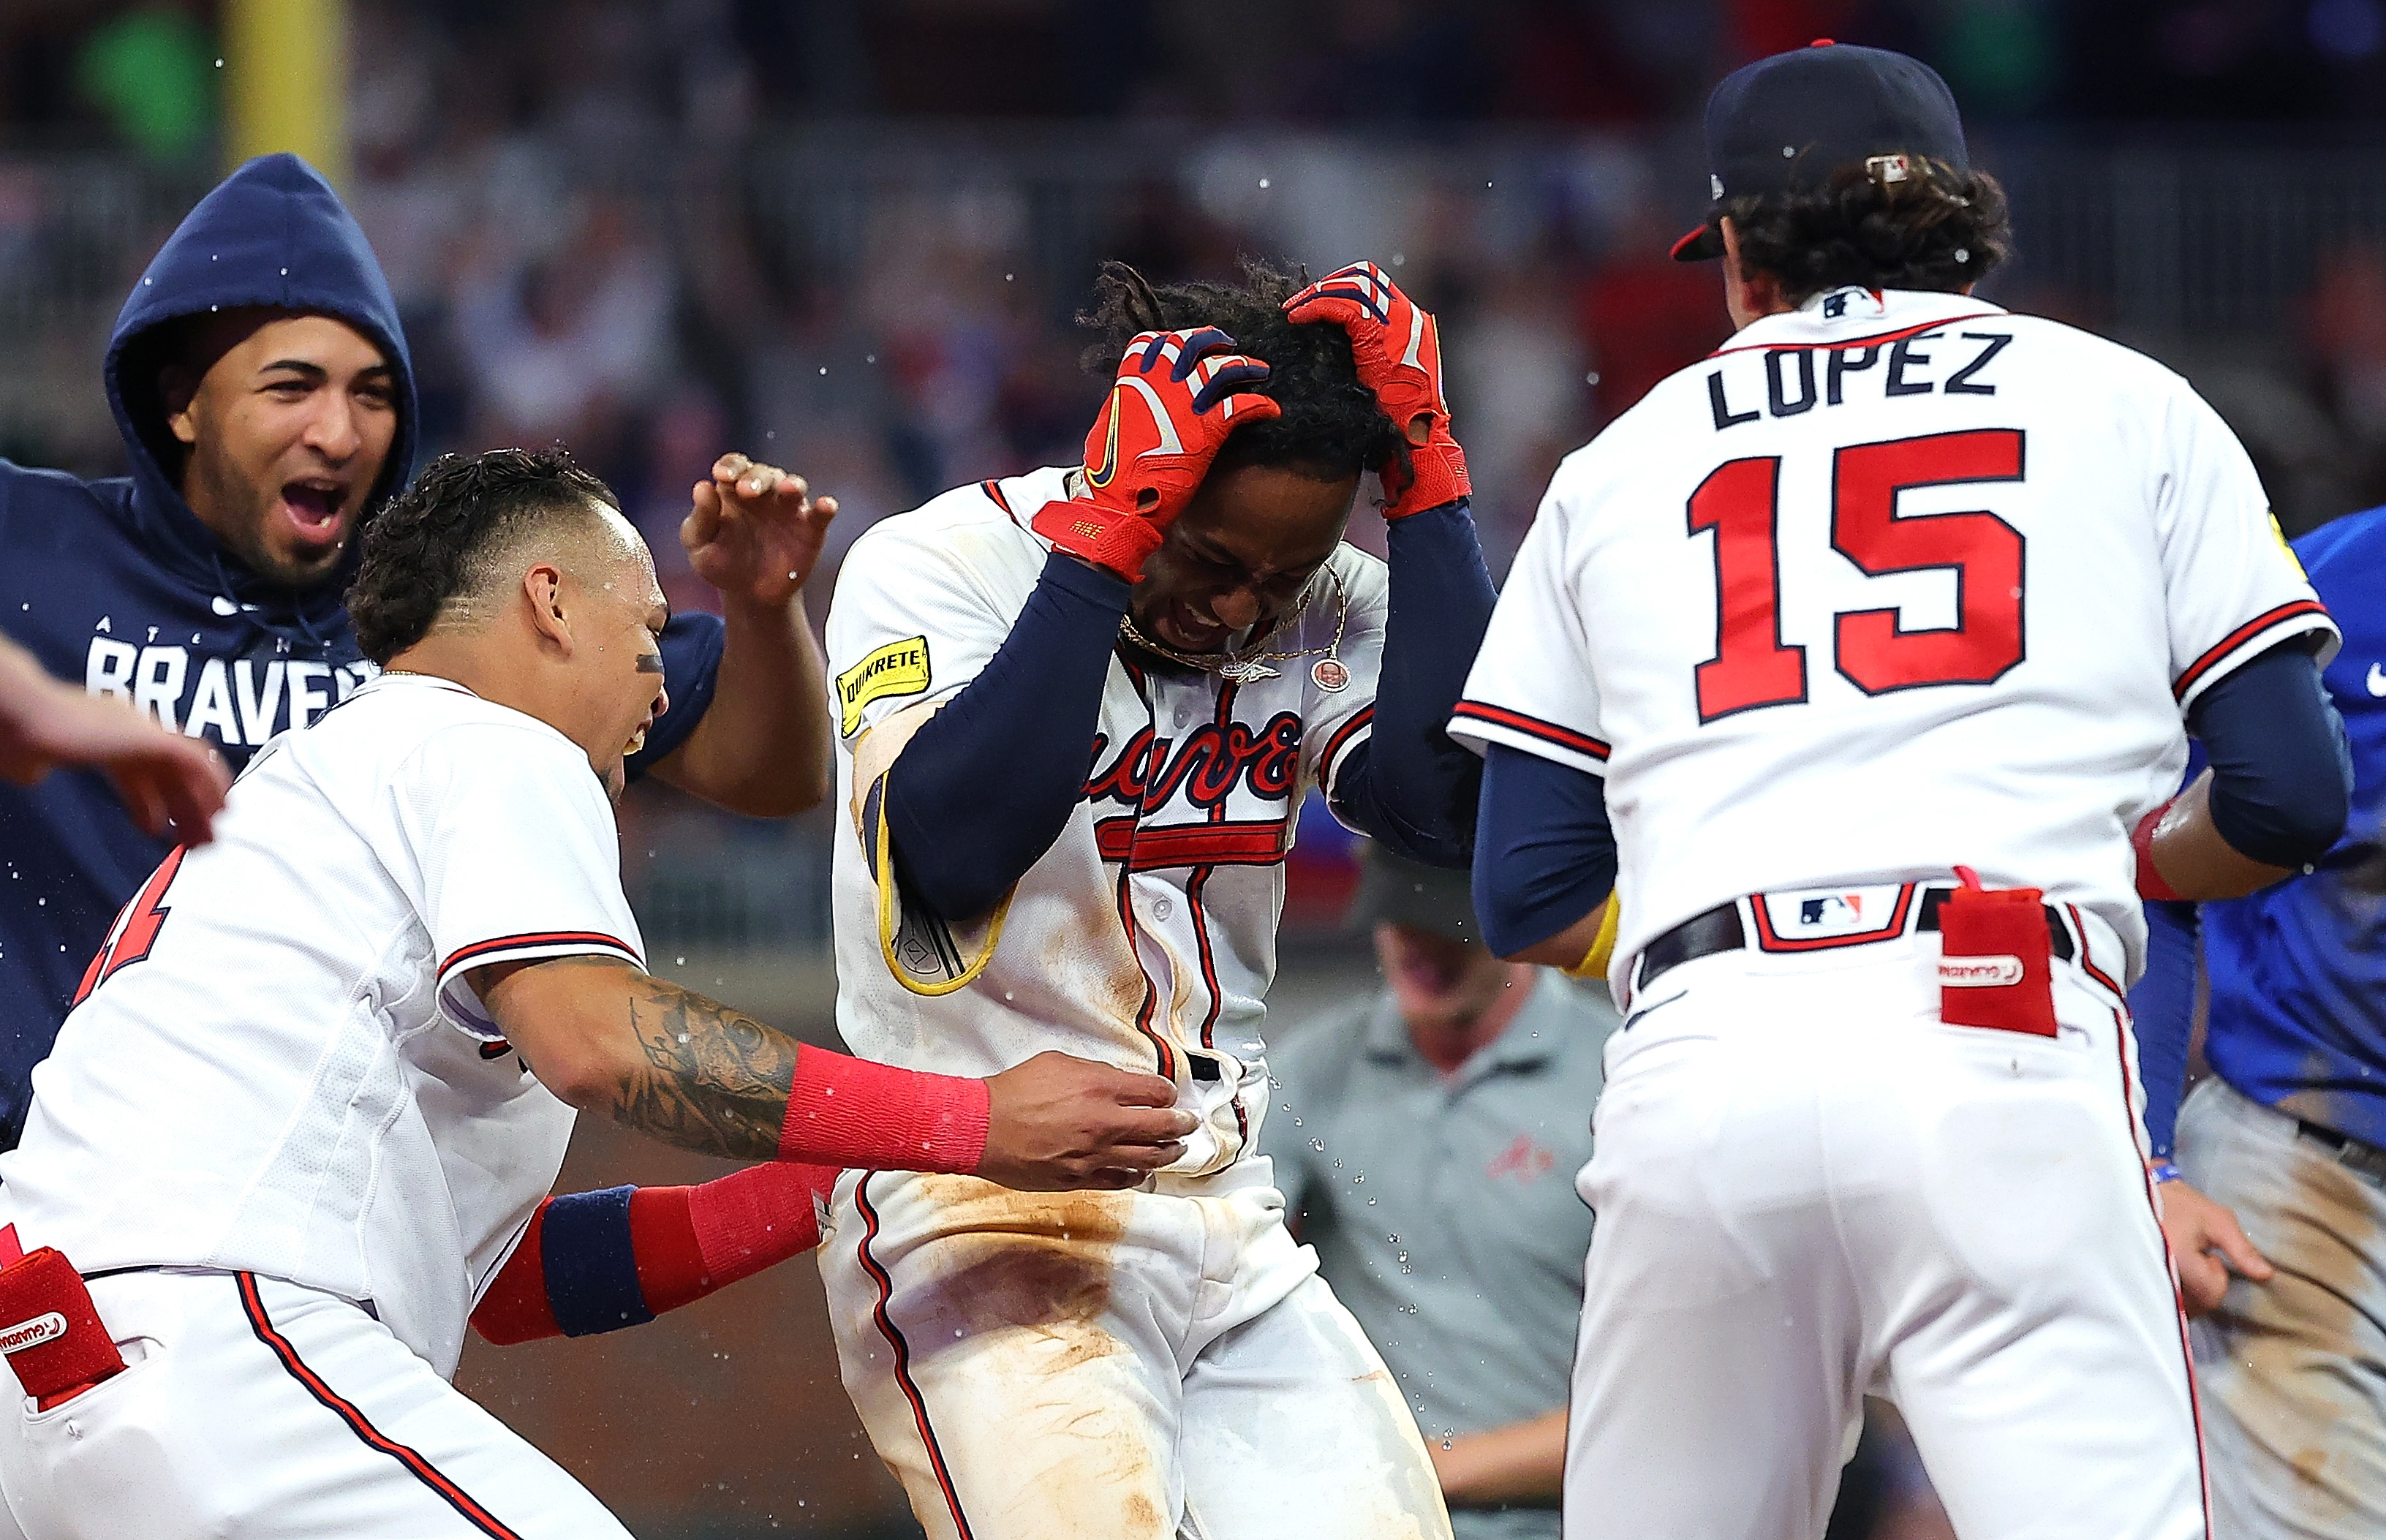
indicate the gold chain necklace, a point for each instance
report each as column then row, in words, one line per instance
column 1329, row 674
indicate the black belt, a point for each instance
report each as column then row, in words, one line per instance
column 2357, row 1156
column 1721, row 930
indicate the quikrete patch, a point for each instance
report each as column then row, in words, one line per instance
column 896, row 669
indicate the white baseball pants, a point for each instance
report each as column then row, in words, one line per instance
column 1116, row 1366
column 258, row 1409
column 1809, row 1189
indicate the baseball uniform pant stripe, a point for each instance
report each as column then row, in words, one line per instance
column 887, row 1329
column 2087, row 955
column 2154, row 1206
column 420, row 1469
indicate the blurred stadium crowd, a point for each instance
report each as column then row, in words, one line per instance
column 850, row 236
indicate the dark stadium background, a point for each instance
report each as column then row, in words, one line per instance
column 848, row 235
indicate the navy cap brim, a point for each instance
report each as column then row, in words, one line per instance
column 1703, row 244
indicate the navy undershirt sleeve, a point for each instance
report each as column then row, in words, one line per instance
column 1408, row 785
column 2282, row 774
column 1544, row 850
column 984, row 788
column 2163, row 1007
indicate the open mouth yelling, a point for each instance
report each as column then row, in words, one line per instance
column 315, row 507
column 1186, row 632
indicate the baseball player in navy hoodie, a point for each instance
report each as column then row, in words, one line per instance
column 261, row 383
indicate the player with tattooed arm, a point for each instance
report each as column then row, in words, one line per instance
column 303, row 1120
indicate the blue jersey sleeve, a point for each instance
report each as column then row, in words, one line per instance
column 2164, row 1006
column 691, row 644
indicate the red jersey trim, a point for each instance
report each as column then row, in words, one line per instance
column 1533, row 727
column 1874, row 341
column 594, row 939
column 1363, row 721
column 2219, row 651
column 1145, row 848
column 1770, row 940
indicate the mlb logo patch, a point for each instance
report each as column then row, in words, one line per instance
column 1823, row 911
column 1824, row 914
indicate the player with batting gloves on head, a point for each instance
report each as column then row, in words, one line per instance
column 1080, row 707
column 303, row 1120
column 1853, row 657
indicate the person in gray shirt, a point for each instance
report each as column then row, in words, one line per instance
column 1426, row 1139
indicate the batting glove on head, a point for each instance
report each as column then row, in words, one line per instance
column 1397, row 349
column 1167, row 416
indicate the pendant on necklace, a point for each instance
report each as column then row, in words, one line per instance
column 1330, row 674
column 1244, row 670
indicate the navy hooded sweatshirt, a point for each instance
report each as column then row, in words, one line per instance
column 117, row 584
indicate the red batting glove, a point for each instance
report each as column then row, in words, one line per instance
column 1153, row 445
column 1398, row 352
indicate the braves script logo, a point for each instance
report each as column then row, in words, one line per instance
column 1149, row 771
column 46, row 1327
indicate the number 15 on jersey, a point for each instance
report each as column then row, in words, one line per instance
column 1739, row 505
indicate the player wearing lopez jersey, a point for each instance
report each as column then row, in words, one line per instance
column 1852, row 658
column 324, row 1071
column 1079, row 708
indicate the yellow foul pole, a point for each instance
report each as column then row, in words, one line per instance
column 286, row 81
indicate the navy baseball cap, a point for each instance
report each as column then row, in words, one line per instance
column 1785, row 123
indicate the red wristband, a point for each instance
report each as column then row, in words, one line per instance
column 2150, row 877
column 848, row 1111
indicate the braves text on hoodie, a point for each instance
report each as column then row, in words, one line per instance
column 117, row 584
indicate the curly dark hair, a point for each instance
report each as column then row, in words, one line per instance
column 1330, row 427
column 434, row 541
column 1939, row 229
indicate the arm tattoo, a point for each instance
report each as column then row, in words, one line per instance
column 715, row 1080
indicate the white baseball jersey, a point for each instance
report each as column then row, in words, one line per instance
column 1146, row 937
column 1894, row 582
column 278, row 1066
